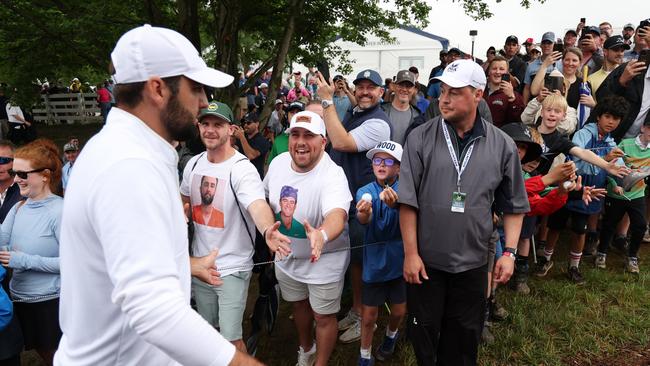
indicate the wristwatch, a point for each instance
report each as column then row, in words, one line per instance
column 326, row 103
column 510, row 252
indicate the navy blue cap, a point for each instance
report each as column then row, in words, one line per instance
column 592, row 29
column 614, row 42
column 371, row 75
column 455, row 50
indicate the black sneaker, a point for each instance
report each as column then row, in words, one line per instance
column 387, row 348
column 543, row 266
column 575, row 276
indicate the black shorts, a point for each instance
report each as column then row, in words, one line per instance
column 357, row 233
column 528, row 227
column 377, row 293
column 40, row 324
column 558, row 220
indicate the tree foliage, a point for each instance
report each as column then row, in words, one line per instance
column 61, row 39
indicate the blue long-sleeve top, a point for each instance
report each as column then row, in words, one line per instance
column 6, row 308
column 383, row 258
column 32, row 232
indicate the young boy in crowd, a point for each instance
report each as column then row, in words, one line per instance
column 383, row 257
column 631, row 200
column 530, row 154
column 592, row 139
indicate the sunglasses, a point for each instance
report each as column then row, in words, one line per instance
column 387, row 161
column 23, row 175
column 5, row 160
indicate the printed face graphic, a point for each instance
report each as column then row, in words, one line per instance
column 287, row 206
column 208, row 189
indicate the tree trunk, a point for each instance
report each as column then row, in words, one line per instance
column 188, row 21
column 226, row 40
column 294, row 8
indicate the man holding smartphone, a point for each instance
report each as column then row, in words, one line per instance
column 632, row 81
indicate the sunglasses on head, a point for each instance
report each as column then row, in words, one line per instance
column 387, row 161
column 23, row 175
column 5, row 160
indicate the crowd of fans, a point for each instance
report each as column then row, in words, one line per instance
column 413, row 192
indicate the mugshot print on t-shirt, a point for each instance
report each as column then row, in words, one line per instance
column 207, row 201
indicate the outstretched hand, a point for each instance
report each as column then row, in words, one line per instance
column 276, row 241
column 316, row 240
column 205, row 269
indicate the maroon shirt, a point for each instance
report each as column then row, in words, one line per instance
column 504, row 111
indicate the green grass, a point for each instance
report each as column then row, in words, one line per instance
column 557, row 324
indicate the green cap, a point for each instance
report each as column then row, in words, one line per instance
column 217, row 109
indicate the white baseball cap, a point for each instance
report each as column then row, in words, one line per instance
column 310, row 121
column 148, row 51
column 389, row 147
column 461, row 73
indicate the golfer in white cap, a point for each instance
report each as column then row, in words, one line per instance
column 125, row 269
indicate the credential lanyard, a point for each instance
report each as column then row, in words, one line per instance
column 460, row 168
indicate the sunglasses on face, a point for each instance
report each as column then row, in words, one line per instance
column 5, row 160
column 23, row 175
column 387, row 161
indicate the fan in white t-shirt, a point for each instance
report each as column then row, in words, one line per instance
column 310, row 196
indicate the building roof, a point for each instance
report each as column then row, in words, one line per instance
column 443, row 41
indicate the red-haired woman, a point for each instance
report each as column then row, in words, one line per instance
column 31, row 232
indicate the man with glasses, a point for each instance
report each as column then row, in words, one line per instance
column 400, row 112
column 361, row 129
column 251, row 142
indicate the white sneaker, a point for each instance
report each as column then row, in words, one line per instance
column 306, row 358
column 349, row 320
column 353, row 333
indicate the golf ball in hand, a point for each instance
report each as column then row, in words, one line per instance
column 366, row 197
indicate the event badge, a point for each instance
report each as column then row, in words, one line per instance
column 458, row 202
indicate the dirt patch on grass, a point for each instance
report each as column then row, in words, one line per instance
column 625, row 356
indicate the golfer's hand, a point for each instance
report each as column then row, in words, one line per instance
column 205, row 269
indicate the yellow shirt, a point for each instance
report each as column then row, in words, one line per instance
column 596, row 79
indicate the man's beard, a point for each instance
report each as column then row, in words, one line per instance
column 178, row 120
column 206, row 199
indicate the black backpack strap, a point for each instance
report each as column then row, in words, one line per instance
column 241, row 213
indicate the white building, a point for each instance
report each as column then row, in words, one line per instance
column 411, row 47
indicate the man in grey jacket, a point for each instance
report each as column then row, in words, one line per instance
column 448, row 190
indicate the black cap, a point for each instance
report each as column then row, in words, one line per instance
column 512, row 39
column 571, row 31
column 455, row 50
column 296, row 105
column 615, row 41
column 251, row 117
column 592, row 29
column 520, row 133
column 338, row 77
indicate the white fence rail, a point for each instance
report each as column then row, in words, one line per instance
column 68, row 108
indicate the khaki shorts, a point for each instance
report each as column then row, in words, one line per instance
column 325, row 299
column 223, row 306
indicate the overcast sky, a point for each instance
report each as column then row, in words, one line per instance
column 447, row 19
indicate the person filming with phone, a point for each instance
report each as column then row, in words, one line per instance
column 631, row 80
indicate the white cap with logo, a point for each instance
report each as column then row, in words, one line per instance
column 148, row 51
column 310, row 121
column 462, row 73
column 389, row 147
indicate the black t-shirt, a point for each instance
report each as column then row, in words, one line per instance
column 555, row 143
column 573, row 94
column 3, row 107
column 261, row 144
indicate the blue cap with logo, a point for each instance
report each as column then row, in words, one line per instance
column 370, row 75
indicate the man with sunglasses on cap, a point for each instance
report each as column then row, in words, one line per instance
column 125, row 269
column 548, row 40
column 361, row 129
column 455, row 170
column 315, row 187
column 400, row 111
column 251, row 142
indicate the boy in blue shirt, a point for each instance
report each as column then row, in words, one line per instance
column 383, row 257
column 6, row 308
